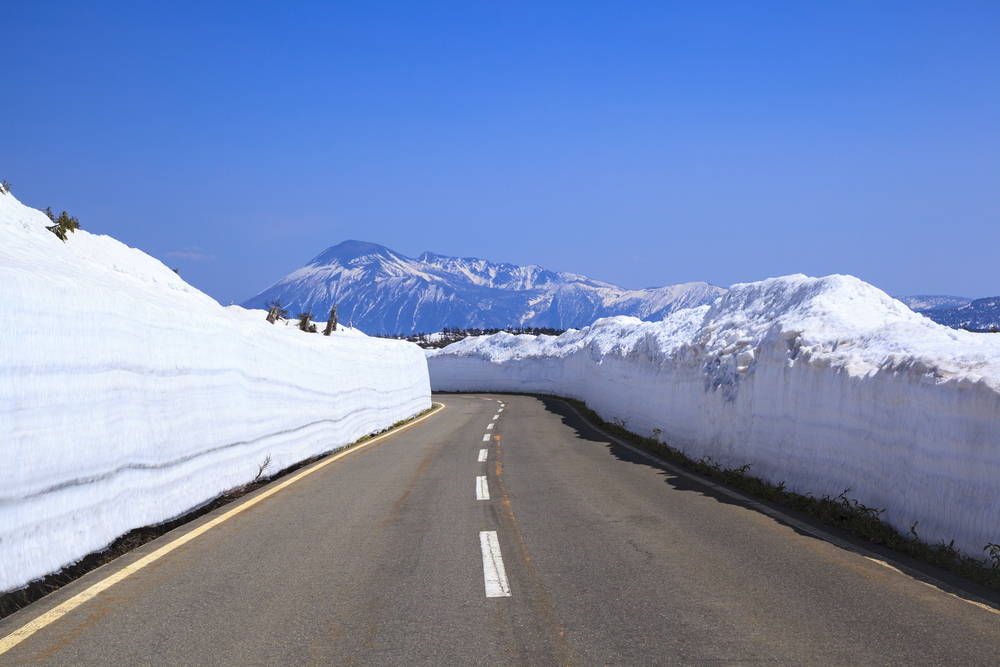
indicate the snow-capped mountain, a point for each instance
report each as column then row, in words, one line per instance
column 979, row 315
column 927, row 302
column 957, row 312
column 382, row 291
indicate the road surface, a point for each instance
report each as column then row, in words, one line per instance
column 489, row 536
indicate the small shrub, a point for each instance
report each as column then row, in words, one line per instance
column 4, row 187
column 262, row 468
column 993, row 554
column 948, row 552
column 64, row 223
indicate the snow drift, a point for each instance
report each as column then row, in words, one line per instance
column 128, row 397
column 824, row 383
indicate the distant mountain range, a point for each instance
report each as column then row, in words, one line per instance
column 979, row 315
column 923, row 303
column 382, row 291
column 956, row 311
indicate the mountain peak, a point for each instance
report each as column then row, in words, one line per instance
column 345, row 251
column 385, row 292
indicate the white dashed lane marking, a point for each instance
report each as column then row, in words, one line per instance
column 494, row 576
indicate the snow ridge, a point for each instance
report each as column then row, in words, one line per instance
column 128, row 397
column 823, row 383
column 383, row 291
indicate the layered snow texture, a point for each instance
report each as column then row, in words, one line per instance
column 823, row 383
column 127, row 397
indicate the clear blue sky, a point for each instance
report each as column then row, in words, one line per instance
column 639, row 143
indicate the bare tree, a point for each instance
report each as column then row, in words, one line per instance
column 331, row 324
column 305, row 322
column 275, row 312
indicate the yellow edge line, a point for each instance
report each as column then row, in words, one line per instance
column 60, row 610
column 982, row 606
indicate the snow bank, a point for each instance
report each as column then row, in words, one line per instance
column 824, row 383
column 127, row 397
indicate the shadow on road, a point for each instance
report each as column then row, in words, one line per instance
column 925, row 572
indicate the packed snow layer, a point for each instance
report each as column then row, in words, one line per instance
column 824, row 383
column 127, row 397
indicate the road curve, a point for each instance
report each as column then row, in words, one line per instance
column 552, row 546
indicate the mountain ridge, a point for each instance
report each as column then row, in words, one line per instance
column 383, row 291
column 977, row 315
column 924, row 303
column 386, row 292
column 957, row 312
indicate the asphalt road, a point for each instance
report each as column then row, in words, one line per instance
column 386, row 557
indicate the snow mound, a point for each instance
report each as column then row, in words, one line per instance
column 128, row 397
column 823, row 383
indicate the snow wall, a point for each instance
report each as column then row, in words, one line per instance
column 128, row 397
column 824, row 383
